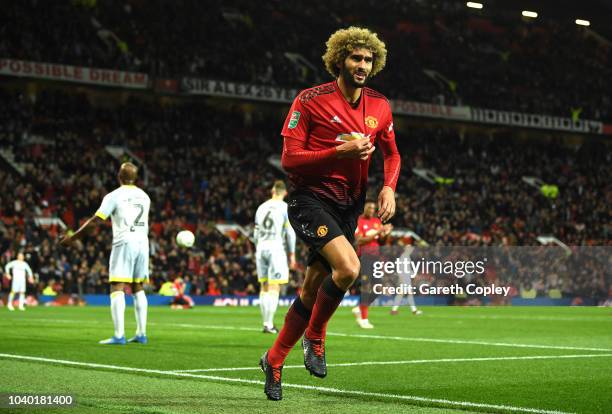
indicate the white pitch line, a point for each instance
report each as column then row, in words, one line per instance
column 411, row 361
column 384, row 337
column 468, row 342
column 602, row 319
column 443, row 402
column 231, row 328
column 417, row 339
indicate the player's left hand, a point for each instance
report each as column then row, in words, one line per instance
column 386, row 204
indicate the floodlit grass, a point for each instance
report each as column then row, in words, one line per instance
column 448, row 360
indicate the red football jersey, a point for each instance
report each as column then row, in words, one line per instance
column 319, row 120
column 365, row 227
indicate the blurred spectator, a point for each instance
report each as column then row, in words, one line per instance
column 49, row 290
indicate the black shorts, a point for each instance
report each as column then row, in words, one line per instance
column 317, row 222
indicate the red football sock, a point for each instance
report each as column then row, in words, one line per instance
column 364, row 311
column 329, row 297
column 296, row 322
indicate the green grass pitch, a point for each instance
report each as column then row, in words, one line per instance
column 449, row 360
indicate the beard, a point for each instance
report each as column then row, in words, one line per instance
column 350, row 78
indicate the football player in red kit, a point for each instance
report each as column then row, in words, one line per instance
column 370, row 234
column 329, row 135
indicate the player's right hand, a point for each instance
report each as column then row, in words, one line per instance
column 386, row 229
column 356, row 149
column 66, row 240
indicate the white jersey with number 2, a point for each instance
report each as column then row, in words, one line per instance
column 128, row 206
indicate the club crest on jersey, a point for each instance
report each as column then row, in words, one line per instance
column 295, row 118
column 371, row 121
column 351, row 136
column 322, row 231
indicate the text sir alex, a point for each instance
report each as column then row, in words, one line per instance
column 425, row 289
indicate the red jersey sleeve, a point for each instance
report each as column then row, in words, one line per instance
column 359, row 230
column 391, row 156
column 297, row 124
column 295, row 133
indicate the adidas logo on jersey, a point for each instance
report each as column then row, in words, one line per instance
column 336, row 120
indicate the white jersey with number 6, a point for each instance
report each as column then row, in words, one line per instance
column 272, row 231
column 272, row 228
column 128, row 206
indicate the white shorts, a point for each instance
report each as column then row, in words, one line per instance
column 18, row 284
column 129, row 262
column 272, row 266
column 405, row 278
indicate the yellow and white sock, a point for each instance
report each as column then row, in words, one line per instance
column 413, row 307
column 141, row 306
column 264, row 307
column 272, row 306
column 117, row 312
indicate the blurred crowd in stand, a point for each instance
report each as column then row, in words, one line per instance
column 439, row 52
column 204, row 165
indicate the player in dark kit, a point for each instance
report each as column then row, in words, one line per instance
column 329, row 135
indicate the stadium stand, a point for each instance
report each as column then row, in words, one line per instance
column 207, row 159
column 489, row 59
column 208, row 165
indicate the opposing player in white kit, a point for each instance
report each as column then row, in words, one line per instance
column 128, row 206
column 405, row 278
column 16, row 271
column 272, row 230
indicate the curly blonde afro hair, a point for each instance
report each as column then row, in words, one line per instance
column 344, row 41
